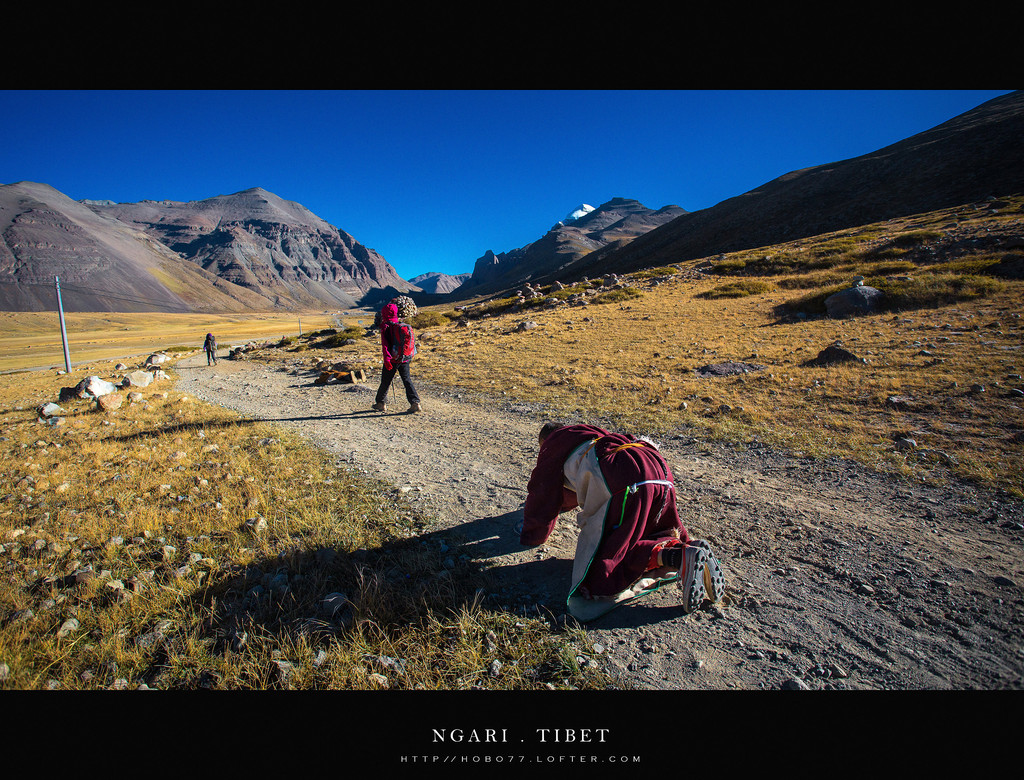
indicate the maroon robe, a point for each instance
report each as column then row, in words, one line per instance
column 636, row 520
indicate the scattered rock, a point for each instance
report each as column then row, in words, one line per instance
column 137, row 379
column 859, row 299
column 833, row 355
column 334, row 605
column 902, row 402
column 256, row 524
column 282, row 672
column 94, row 387
column 727, row 369
column 110, row 402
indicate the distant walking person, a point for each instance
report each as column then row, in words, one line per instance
column 398, row 345
column 210, row 345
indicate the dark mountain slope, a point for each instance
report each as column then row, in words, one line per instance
column 975, row 155
column 618, row 220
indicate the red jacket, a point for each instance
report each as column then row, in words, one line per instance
column 621, row 466
column 396, row 338
column 398, row 343
column 546, row 495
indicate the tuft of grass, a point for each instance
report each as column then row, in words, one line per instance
column 916, row 238
column 739, row 289
column 981, row 263
column 656, row 273
column 429, row 319
column 337, row 338
column 928, row 290
column 933, row 290
column 617, row 296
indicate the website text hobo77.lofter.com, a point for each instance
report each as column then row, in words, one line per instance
column 539, row 738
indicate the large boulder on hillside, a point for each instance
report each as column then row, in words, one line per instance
column 853, row 301
column 94, row 387
column 833, row 355
column 50, row 410
column 137, row 379
column 110, row 402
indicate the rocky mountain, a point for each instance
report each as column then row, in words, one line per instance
column 584, row 231
column 247, row 251
column 273, row 247
column 103, row 264
column 967, row 159
column 436, row 283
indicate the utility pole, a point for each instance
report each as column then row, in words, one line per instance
column 63, row 329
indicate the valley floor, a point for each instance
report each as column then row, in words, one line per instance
column 837, row 577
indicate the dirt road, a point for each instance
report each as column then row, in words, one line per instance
column 836, row 577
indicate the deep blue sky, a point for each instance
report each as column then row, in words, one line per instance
column 433, row 179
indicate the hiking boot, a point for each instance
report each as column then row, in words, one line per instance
column 691, row 576
column 380, row 406
column 414, row 407
column 714, row 578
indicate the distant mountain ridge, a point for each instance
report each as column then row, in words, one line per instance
column 618, row 221
column 264, row 243
column 434, row 282
column 103, row 264
column 249, row 251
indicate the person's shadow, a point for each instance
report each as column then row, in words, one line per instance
column 548, row 577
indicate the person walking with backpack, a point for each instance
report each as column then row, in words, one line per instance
column 399, row 346
column 210, row 347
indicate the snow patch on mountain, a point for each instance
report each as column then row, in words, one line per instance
column 580, row 211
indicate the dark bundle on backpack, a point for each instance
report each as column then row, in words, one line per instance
column 405, row 306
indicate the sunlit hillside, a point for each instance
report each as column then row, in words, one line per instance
column 939, row 364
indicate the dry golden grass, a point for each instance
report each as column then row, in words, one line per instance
column 635, row 365
column 154, row 499
column 949, row 353
column 634, row 362
column 32, row 340
column 173, row 545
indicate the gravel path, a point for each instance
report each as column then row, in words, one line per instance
column 836, row 577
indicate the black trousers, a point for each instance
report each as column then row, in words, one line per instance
column 387, row 376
